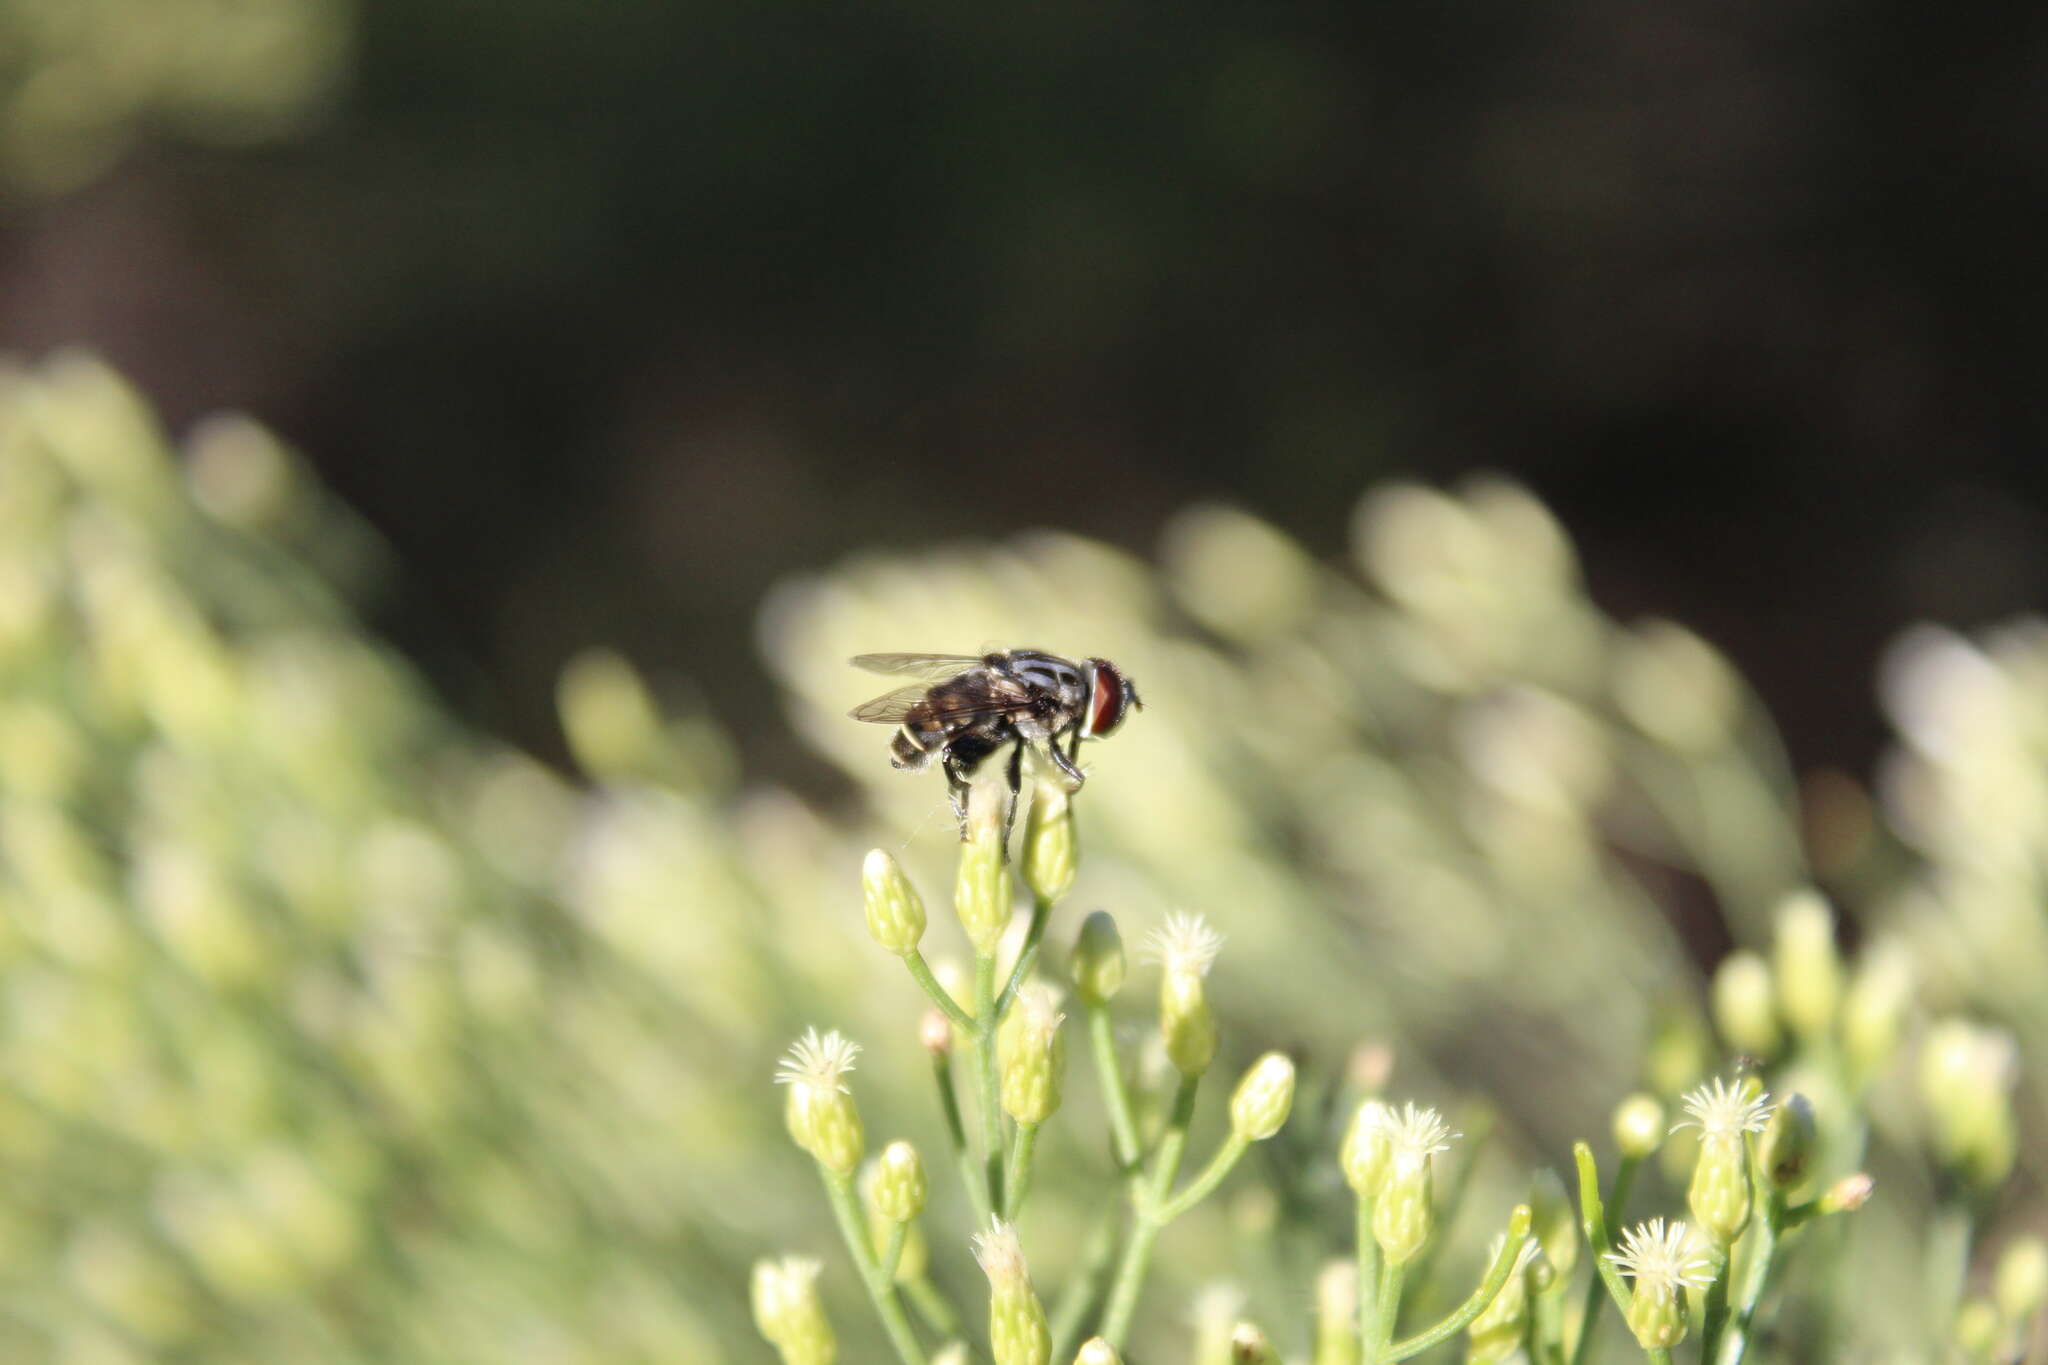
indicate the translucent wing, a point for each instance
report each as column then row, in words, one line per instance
column 930, row 667
column 891, row 707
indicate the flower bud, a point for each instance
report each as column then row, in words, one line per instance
column 2021, row 1283
column 900, row 1188
column 952, row 1353
column 1097, row 966
column 1263, row 1098
column 1403, row 1216
column 1050, row 855
column 1638, row 1126
column 1809, row 969
column 895, row 912
column 935, row 1033
column 1874, row 1011
column 1367, row 1149
column 1744, row 1008
column 1719, row 1193
column 1033, row 1056
column 1249, row 1346
column 1786, row 1149
column 1498, row 1330
column 1664, row 1262
column 1096, row 1351
column 1186, row 1023
column 983, row 895
column 1337, row 1314
column 1848, row 1194
column 1967, row 1073
column 820, row 1111
column 1017, row 1328
column 788, row 1312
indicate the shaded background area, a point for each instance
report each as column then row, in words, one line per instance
column 610, row 315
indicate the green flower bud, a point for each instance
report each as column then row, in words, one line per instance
column 1033, row 1056
column 1186, row 1023
column 2021, row 1282
column 788, row 1312
column 1367, row 1149
column 1744, row 1008
column 1017, row 1328
column 1848, row 1194
column 1809, row 969
column 1403, row 1216
column 915, row 1257
column 1097, row 966
column 1719, row 1194
column 1337, row 1314
column 1498, row 1330
column 895, row 911
column 1050, row 854
column 1263, row 1098
column 983, row 895
column 1555, row 1223
column 1874, row 1011
column 1967, row 1073
column 1249, row 1346
column 1788, row 1142
column 1665, row 1262
column 1638, row 1126
column 820, row 1111
column 1096, row 1351
column 900, row 1188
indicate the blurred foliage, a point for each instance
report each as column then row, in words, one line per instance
column 331, row 1030
column 82, row 79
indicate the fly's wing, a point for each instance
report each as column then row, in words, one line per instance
column 891, row 707
column 930, row 667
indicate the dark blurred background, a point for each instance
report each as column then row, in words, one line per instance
column 610, row 314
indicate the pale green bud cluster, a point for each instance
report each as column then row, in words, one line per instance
column 1745, row 1004
column 1496, row 1334
column 983, row 893
column 1808, row 966
column 1097, row 966
column 1050, row 852
column 895, row 912
column 900, row 1188
column 1337, row 1314
column 1403, row 1216
column 1263, row 1098
column 1367, row 1149
column 1018, row 1332
column 1967, row 1073
column 820, row 1112
column 1033, row 1056
column 788, row 1312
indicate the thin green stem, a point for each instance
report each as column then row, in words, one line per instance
column 1659, row 1355
column 1368, row 1270
column 931, row 1305
column 1386, row 1311
column 1018, row 1182
column 1602, row 1242
column 985, row 1075
column 1763, row 1253
column 1084, row 1285
column 853, row 1227
column 1203, row 1185
column 892, row 1254
column 1145, row 1222
column 1027, row 956
column 1116, row 1096
column 1504, row 1263
column 921, row 972
column 1714, row 1312
column 956, row 1136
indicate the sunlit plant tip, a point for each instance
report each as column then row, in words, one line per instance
column 788, row 1312
column 820, row 1111
column 1638, row 1126
column 895, row 912
column 1723, row 1108
column 1097, row 966
column 1018, row 1332
column 1403, row 1217
column 901, row 1187
column 1664, row 1260
column 1263, row 1098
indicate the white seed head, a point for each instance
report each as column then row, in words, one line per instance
column 1662, row 1258
column 1416, row 1134
column 999, row 1253
column 1722, row 1109
column 819, row 1063
column 1185, row 943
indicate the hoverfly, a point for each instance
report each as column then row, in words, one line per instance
column 967, row 706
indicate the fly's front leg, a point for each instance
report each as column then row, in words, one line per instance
column 959, row 788
column 1014, row 772
column 1065, row 763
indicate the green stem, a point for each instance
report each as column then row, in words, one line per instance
column 1386, row 1310
column 1625, row 1175
column 1368, row 1270
column 1546, row 1326
column 1083, row 1286
column 1762, row 1252
column 1019, row 1181
column 1659, row 1355
column 853, row 1227
column 956, row 1135
column 1212, row 1175
column 1116, row 1096
column 1714, row 1312
column 1504, row 1263
column 1145, row 1221
column 921, row 972
column 985, row 1075
column 1041, row 911
column 931, row 1305
column 892, row 1254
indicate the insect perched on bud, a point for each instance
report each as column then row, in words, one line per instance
column 967, row 706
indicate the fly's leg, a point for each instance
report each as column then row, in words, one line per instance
column 958, row 787
column 1065, row 762
column 1014, row 773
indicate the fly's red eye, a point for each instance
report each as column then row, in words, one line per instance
column 1106, row 707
